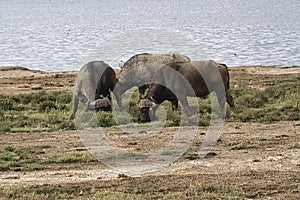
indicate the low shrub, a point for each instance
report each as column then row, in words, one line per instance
column 105, row 119
column 6, row 103
column 46, row 106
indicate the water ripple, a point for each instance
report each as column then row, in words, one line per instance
column 63, row 35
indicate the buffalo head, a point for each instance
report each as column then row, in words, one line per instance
column 147, row 109
column 103, row 104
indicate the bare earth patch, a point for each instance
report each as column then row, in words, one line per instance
column 271, row 167
column 267, row 166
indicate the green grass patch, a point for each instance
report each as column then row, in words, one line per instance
column 295, row 78
column 191, row 155
column 275, row 103
column 50, row 111
column 16, row 159
column 240, row 144
column 45, row 111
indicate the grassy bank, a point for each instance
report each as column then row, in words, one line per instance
column 275, row 103
column 50, row 111
column 45, row 111
column 34, row 158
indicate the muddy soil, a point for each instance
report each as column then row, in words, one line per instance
column 268, row 167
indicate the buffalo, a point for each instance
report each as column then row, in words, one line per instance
column 94, row 82
column 177, row 80
column 140, row 69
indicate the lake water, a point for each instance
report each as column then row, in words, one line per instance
column 60, row 35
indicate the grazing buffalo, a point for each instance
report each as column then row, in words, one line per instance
column 181, row 79
column 94, row 82
column 140, row 69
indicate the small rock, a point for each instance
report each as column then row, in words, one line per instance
column 281, row 137
column 17, row 169
column 132, row 143
column 12, row 177
column 271, row 83
column 210, row 154
column 122, row 176
column 37, row 87
column 142, row 132
column 274, row 158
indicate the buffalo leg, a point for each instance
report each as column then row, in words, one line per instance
column 110, row 106
column 116, row 92
column 221, row 101
column 185, row 106
column 229, row 100
column 174, row 105
column 75, row 106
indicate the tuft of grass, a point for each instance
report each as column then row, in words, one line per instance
column 268, row 142
column 240, row 144
column 106, row 119
column 191, row 155
column 73, row 157
column 6, row 103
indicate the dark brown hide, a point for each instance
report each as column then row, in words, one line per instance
column 94, row 81
column 140, row 69
column 181, row 79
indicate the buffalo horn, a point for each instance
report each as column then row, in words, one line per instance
column 100, row 103
column 146, row 103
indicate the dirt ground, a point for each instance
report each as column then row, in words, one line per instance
column 269, row 168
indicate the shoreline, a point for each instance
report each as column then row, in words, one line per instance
column 18, row 67
column 20, row 80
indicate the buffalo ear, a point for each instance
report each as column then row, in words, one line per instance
column 100, row 103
